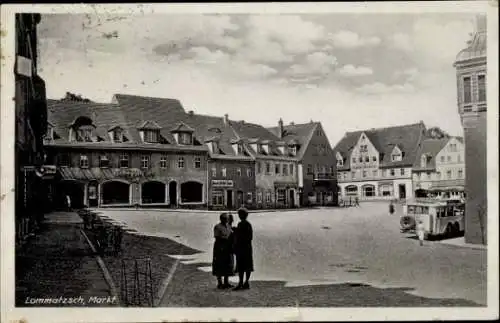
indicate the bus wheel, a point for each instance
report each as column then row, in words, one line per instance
column 449, row 231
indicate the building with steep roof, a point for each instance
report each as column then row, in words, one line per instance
column 276, row 164
column 439, row 168
column 133, row 151
column 377, row 163
column 471, row 72
column 316, row 167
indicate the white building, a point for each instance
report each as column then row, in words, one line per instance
column 439, row 169
column 377, row 163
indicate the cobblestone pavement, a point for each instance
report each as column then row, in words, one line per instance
column 58, row 265
column 328, row 257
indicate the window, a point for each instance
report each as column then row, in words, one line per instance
column 259, row 167
column 481, row 88
column 249, row 172
column 368, row 190
column 240, row 149
column 214, row 172
column 277, row 168
column 268, row 197
column 280, row 196
column 386, row 190
column 360, row 159
column 163, row 161
column 402, row 171
column 353, row 175
column 354, row 160
column 459, row 158
column 185, row 138
column 145, row 161
column 374, row 158
column 64, row 159
column 351, row 190
column 259, row 197
column 331, row 170
column 448, row 174
column 442, row 159
column 151, row 136
column 224, row 171
column 367, row 159
column 218, row 198
column 460, row 173
column 448, row 159
column 180, row 162
column 375, row 173
column 364, row 173
column 396, row 157
column 84, row 161
column 285, row 170
column 340, row 162
column 293, row 150
column 268, row 168
column 467, row 89
column 103, row 161
column 124, row 161
column 117, row 135
column 197, row 162
column 291, row 170
column 84, row 133
column 393, row 173
column 363, row 148
column 238, row 171
column 249, row 197
column 339, row 176
column 453, row 147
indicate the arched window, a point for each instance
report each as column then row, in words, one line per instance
column 191, row 192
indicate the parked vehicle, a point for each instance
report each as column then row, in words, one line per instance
column 440, row 218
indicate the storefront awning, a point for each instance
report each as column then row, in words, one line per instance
column 447, row 185
column 98, row 174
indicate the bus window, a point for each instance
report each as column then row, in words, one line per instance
column 418, row 210
column 411, row 209
column 449, row 211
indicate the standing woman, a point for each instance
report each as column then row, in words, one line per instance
column 232, row 241
column 243, row 249
column 221, row 264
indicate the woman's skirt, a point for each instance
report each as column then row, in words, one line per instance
column 244, row 258
column 223, row 259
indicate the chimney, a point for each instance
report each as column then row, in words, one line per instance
column 292, row 123
column 282, row 131
column 190, row 112
column 226, row 119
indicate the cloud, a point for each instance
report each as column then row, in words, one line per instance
column 317, row 63
column 349, row 39
column 381, row 88
column 410, row 74
column 295, row 34
column 434, row 41
column 204, row 55
column 351, row 70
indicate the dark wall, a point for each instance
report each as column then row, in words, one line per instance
column 476, row 180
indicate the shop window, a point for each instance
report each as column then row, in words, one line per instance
column 218, row 198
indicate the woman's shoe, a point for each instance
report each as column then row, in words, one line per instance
column 239, row 287
column 246, row 286
column 220, row 286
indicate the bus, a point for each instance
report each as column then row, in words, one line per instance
column 440, row 218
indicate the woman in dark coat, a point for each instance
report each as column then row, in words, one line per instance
column 221, row 264
column 243, row 249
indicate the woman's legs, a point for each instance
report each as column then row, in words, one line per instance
column 247, row 285
column 219, row 282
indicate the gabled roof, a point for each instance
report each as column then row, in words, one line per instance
column 182, row 127
column 300, row 134
column 406, row 137
column 430, row 148
column 149, row 125
column 250, row 131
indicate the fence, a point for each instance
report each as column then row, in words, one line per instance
column 136, row 284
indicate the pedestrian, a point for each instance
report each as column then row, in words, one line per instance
column 243, row 250
column 221, row 263
column 232, row 239
column 420, row 232
column 356, row 201
column 391, row 208
column 68, row 202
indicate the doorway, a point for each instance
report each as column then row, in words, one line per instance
column 229, row 199
column 239, row 198
column 172, row 193
column 291, row 200
column 402, row 191
column 92, row 194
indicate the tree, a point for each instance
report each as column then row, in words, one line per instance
column 436, row 133
column 73, row 97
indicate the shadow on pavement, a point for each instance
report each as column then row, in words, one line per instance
column 190, row 287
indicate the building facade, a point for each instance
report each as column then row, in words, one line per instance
column 439, row 169
column 316, row 167
column 276, row 165
column 471, row 72
column 107, row 156
column 31, row 120
column 377, row 163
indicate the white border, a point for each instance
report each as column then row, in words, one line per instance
column 248, row 314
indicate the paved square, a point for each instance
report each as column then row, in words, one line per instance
column 330, row 246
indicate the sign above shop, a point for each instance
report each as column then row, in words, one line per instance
column 222, row 183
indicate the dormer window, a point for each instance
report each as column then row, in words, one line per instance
column 149, row 132
column 118, row 135
column 265, row 148
column 397, row 154
column 293, row 150
column 84, row 133
column 340, row 159
column 183, row 134
column 281, row 148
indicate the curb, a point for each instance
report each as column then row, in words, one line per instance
column 105, row 271
column 464, row 246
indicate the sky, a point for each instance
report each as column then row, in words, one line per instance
column 349, row 71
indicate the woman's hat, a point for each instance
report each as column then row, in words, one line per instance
column 242, row 210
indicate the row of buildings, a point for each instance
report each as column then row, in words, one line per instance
column 151, row 152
